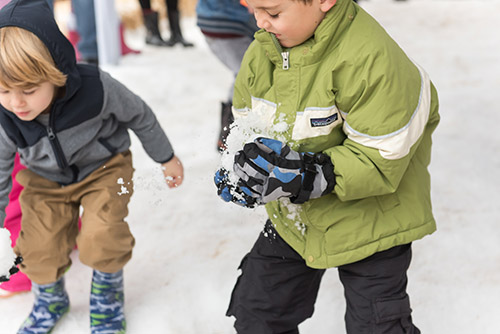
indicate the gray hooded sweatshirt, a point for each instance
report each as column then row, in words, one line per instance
column 86, row 127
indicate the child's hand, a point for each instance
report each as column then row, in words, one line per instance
column 174, row 172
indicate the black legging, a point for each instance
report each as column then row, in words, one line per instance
column 171, row 4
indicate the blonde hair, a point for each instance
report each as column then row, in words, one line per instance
column 25, row 61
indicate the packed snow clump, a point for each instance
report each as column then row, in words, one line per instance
column 245, row 130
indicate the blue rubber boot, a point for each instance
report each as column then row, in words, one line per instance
column 51, row 303
column 106, row 303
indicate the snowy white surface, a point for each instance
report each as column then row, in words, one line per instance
column 7, row 255
column 189, row 242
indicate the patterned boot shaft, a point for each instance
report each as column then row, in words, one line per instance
column 51, row 303
column 106, row 303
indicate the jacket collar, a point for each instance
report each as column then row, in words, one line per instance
column 327, row 34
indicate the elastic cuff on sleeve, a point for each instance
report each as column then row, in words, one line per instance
column 170, row 158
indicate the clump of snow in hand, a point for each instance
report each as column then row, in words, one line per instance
column 7, row 255
column 281, row 126
column 245, row 130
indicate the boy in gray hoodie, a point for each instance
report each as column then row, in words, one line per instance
column 69, row 123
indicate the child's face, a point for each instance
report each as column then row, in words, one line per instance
column 28, row 103
column 292, row 21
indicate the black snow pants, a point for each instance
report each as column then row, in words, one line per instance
column 276, row 291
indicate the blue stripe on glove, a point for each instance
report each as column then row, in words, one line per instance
column 238, row 194
column 273, row 144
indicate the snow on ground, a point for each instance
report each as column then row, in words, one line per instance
column 189, row 242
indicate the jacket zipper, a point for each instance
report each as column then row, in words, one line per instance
column 56, row 146
column 285, row 55
column 54, row 142
column 50, row 133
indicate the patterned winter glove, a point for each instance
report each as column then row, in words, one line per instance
column 12, row 270
column 270, row 170
column 233, row 193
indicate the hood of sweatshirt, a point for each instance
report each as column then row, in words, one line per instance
column 37, row 17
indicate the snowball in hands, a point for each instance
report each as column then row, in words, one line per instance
column 7, row 255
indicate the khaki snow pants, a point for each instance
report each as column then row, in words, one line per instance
column 49, row 228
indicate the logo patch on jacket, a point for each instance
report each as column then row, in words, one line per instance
column 324, row 121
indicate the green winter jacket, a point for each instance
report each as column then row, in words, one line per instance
column 352, row 93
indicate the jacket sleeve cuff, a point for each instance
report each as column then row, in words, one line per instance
column 168, row 159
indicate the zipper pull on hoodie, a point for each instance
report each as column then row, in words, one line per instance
column 50, row 133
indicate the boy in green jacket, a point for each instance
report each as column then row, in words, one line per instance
column 340, row 162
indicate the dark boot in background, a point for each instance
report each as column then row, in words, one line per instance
column 153, row 36
column 226, row 118
column 175, row 30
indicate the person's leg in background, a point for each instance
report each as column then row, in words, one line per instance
column 86, row 27
column 83, row 33
column 174, row 24
column 230, row 52
column 151, row 23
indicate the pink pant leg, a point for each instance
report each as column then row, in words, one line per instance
column 19, row 281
